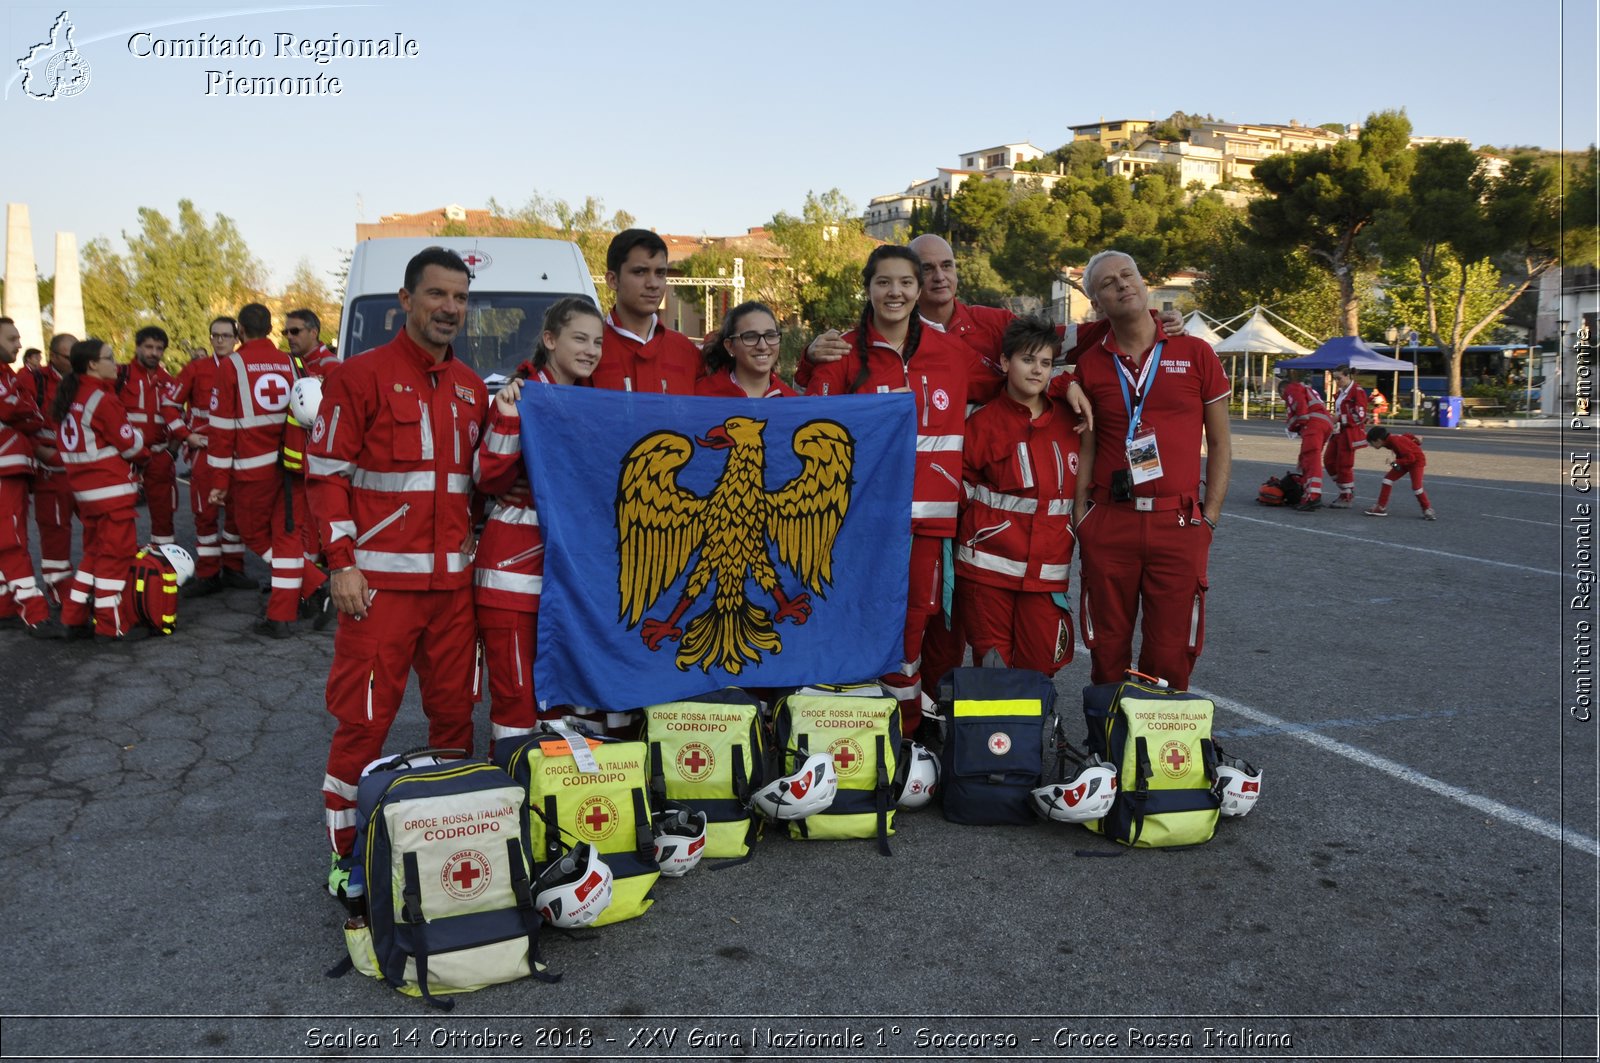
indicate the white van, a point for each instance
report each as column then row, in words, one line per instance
column 514, row 280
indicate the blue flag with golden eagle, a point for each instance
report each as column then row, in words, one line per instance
column 697, row 543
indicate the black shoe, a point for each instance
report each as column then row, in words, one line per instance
column 47, row 629
column 1308, row 505
column 203, row 586
column 274, row 629
column 318, row 608
column 235, row 579
column 80, row 631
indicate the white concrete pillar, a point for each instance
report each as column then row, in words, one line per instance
column 66, row 313
column 22, row 277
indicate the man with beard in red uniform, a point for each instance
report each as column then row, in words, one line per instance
column 1349, row 435
column 390, row 466
column 219, row 549
column 1308, row 419
column 302, row 330
column 642, row 354
column 20, row 425
column 146, row 389
column 249, row 411
column 1146, row 539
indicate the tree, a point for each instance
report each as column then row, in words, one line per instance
column 109, row 310
column 1240, row 273
column 1324, row 202
column 306, row 291
column 824, row 249
column 188, row 272
column 542, row 217
column 1475, row 244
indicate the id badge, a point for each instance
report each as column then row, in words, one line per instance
column 1144, row 458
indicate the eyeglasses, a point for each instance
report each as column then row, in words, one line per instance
column 755, row 339
column 222, row 335
column 294, row 330
column 107, row 357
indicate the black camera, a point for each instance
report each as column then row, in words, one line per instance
column 1121, row 485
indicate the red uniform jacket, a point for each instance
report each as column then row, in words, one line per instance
column 147, row 395
column 721, row 385
column 1301, row 404
column 249, row 405
column 978, row 328
column 508, row 570
column 1351, row 404
column 1020, row 474
column 390, row 473
column 666, row 363
column 20, row 423
column 1407, row 449
column 937, row 376
column 98, row 445
column 42, row 386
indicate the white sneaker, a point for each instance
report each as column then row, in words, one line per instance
column 1429, row 514
column 1342, row 502
column 1378, row 511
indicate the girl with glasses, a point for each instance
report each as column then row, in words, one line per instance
column 100, row 448
column 742, row 360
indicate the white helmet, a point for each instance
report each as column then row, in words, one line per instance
column 916, row 777
column 305, row 398
column 809, row 790
column 1082, row 799
column 1238, row 784
column 180, row 561
column 680, row 839
column 574, row 890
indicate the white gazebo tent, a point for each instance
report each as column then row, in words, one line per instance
column 1259, row 336
column 1200, row 327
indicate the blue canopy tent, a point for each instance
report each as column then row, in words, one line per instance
column 1352, row 351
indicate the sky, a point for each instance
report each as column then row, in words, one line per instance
column 709, row 118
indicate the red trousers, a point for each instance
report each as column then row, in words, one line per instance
column 110, row 541
column 218, row 544
column 271, row 513
column 1026, row 628
column 1400, row 472
column 509, row 643
column 21, row 593
column 1313, row 436
column 429, row 631
column 1340, row 458
column 923, row 612
column 1150, row 566
column 161, row 495
column 53, row 508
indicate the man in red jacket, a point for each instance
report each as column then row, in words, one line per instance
column 1146, row 540
column 219, row 548
column 249, row 411
column 390, row 466
column 1308, row 419
column 146, row 389
column 638, row 352
column 53, row 507
column 20, row 424
column 1349, row 435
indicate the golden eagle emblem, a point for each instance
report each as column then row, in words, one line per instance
column 661, row 527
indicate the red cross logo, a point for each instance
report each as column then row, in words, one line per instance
column 843, row 758
column 465, row 875
column 596, row 818
column 271, row 391
column 475, row 260
column 846, row 756
column 694, row 760
column 1174, row 759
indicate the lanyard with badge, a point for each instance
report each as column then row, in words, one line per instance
column 1144, row 457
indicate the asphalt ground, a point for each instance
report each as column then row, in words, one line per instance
column 1418, row 881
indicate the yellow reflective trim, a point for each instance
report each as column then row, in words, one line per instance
column 1005, row 707
column 138, row 584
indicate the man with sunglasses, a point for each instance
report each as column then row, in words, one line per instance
column 302, row 330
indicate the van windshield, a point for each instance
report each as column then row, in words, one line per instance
column 501, row 331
